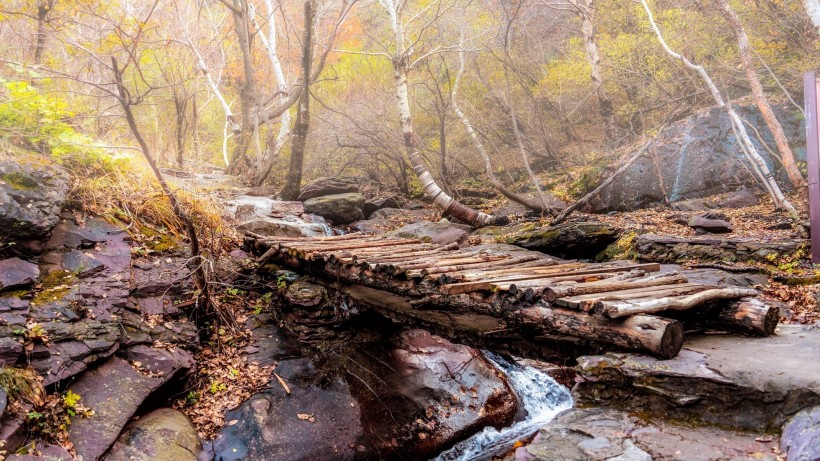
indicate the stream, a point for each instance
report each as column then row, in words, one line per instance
column 540, row 395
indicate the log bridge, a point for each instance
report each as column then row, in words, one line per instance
column 625, row 304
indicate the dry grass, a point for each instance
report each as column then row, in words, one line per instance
column 22, row 384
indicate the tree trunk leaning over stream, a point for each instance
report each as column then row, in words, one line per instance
column 401, row 67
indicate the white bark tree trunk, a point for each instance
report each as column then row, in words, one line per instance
column 761, row 100
column 748, row 147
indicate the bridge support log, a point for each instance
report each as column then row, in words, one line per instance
column 661, row 337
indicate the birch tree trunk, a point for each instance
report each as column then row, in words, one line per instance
column 269, row 43
column 401, row 66
column 761, row 100
column 762, row 170
column 43, row 8
column 586, row 11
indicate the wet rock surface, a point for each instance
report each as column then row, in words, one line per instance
column 441, row 233
column 404, row 402
column 267, row 216
column 162, row 435
column 32, row 192
column 596, row 434
column 337, row 208
column 746, row 383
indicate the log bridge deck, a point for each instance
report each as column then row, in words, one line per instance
column 629, row 305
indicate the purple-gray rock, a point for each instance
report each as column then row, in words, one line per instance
column 703, row 224
column 32, row 192
column 14, row 272
column 115, row 390
column 375, row 204
column 800, row 439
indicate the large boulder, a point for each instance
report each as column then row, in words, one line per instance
column 338, row 208
column 565, row 240
column 327, row 186
column 697, row 157
column 162, row 435
column 441, row 233
column 32, row 192
column 375, row 204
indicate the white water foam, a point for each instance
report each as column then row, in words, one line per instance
column 541, row 396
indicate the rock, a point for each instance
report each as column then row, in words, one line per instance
column 388, row 219
column 72, row 347
column 740, row 382
column 575, row 240
column 699, row 157
column 160, row 277
column 317, row 421
column 666, row 249
column 162, row 435
column 321, row 187
column 744, row 197
column 800, row 439
column 441, row 233
column 4, row 401
column 274, row 218
column 597, row 434
column 32, row 192
column 719, row 277
column 289, row 226
column 14, row 272
column 46, row 453
column 375, row 204
column 115, row 390
column 424, row 366
column 338, row 208
column 702, row 224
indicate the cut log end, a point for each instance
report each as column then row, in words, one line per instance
column 751, row 316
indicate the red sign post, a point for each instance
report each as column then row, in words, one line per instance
column 810, row 87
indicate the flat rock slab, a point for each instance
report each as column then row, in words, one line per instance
column 597, row 434
column 670, row 249
column 800, row 440
column 14, row 272
column 115, row 390
column 747, row 383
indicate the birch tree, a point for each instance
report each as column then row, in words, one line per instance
column 762, row 102
column 403, row 63
column 747, row 146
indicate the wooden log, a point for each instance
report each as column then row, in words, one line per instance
column 750, row 315
column 534, row 280
column 616, row 309
column 554, row 292
column 587, row 302
column 548, row 267
column 512, row 275
column 310, row 251
column 658, row 336
column 473, row 262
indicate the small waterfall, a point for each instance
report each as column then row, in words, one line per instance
column 541, row 396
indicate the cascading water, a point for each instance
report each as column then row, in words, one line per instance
column 541, row 396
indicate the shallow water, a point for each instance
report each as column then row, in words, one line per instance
column 541, row 396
